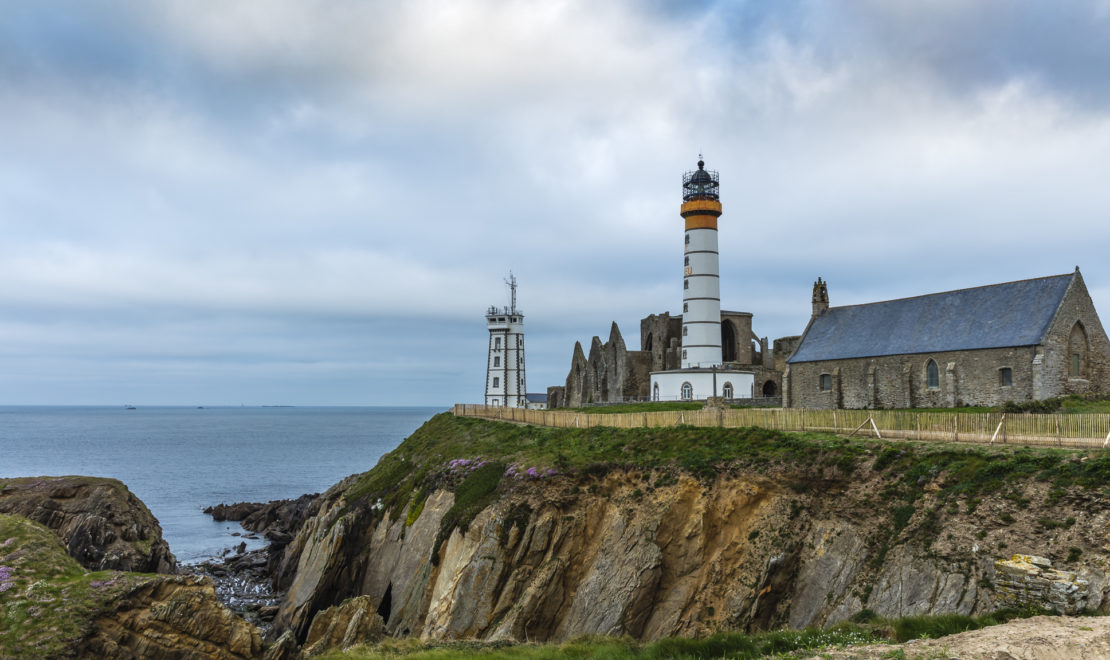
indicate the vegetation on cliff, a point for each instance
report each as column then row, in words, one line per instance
column 454, row 452
column 740, row 646
column 47, row 601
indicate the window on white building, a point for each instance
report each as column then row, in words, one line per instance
column 687, row 391
column 496, row 381
column 684, row 329
column 497, row 343
column 727, row 390
column 497, row 361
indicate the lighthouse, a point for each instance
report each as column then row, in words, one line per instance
column 505, row 383
column 701, row 374
column 701, row 277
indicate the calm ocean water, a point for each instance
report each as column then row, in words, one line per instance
column 180, row 460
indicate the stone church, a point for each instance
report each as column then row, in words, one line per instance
column 984, row 346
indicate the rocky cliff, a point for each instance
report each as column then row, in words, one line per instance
column 100, row 522
column 683, row 531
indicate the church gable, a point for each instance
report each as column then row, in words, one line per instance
column 996, row 316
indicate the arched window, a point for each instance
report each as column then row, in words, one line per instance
column 769, row 388
column 687, row 391
column 932, row 375
column 655, row 392
column 726, row 391
column 1077, row 351
column 684, row 329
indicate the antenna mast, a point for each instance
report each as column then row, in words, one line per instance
column 512, row 289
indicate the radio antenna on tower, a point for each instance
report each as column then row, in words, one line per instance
column 511, row 281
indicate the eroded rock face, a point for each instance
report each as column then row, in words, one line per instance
column 101, row 523
column 353, row 622
column 172, row 617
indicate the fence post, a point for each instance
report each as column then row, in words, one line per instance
column 955, row 428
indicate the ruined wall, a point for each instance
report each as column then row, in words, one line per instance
column 900, row 381
column 610, row 374
column 661, row 336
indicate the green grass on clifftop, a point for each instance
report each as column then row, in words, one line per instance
column 47, row 601
column 446, row 451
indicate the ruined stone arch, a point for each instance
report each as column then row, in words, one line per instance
column 728, row 341
column 1077, row 351
column 770, row 389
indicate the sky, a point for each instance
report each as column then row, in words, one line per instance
column 314, row 202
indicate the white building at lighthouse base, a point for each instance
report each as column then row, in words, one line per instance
column 700, row 384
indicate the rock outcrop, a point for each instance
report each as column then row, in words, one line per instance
column 172, row 617
column 52, row 608
column 1027, row 581
column 352, row 622
column 100, row 522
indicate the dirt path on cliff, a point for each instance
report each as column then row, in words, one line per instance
column 1036, row 638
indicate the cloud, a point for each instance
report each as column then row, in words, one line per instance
column 275, row 192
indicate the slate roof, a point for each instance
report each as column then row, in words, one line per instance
column 537, row 397
column 994, row 316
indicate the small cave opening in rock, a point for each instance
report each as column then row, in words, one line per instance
column 387, row 603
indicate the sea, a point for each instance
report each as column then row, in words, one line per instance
column 179, row 460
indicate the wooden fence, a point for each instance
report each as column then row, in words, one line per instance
column 1090, row 431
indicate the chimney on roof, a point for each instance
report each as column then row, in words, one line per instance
column 820, row 297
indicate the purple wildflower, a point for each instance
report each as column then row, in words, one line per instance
column 532, row 473
column 7, row 543
column 551, row 472
column 6, row 578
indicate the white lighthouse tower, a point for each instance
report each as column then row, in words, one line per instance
column 505, row 384
column 701, row 276
column 701, row 374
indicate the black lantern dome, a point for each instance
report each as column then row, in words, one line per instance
column 700, row 184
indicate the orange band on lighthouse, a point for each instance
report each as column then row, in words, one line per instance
column 701, row 222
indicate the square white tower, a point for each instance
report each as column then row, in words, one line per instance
column 505, row 382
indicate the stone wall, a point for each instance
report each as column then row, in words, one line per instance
column 784, row 347
column 899, row 381
column 1076, row 307
column 661, row 337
